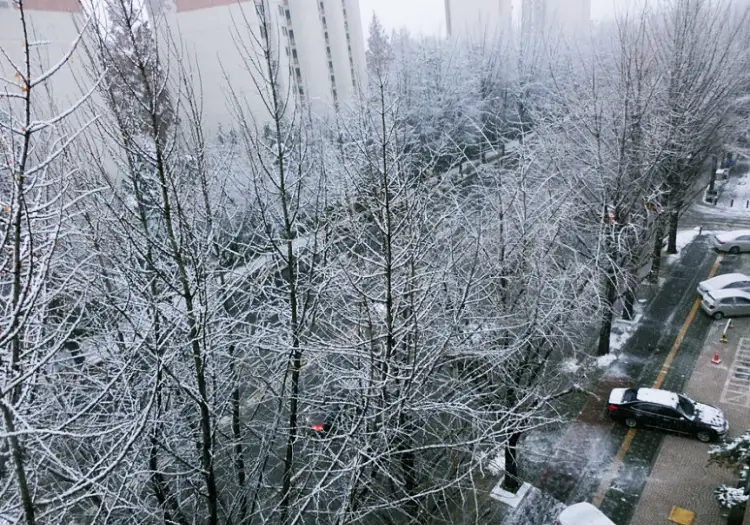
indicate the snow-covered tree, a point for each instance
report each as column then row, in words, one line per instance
column 733, row 454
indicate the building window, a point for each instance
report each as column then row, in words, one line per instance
column 281, row 11
column 294, row 54
column 330, row 65
column 288, row 15
column 284, row 31
column 298, row 72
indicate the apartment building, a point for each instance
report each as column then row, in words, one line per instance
column 54, row 23
column 554, row 16
column 317, row 47
column 479, row 19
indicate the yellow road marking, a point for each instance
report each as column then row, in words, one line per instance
column 617, row 462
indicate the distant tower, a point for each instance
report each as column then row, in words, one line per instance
column 475, row 19
column 544, row 16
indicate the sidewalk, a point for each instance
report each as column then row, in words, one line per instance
column 588, row 445
column 681, row 475
column 583, row 453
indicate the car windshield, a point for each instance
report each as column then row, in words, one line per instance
column 687, row 407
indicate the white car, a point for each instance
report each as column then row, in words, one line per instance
column 726, row 303
column 733, row 242
column 728, row 281
column 583, row 514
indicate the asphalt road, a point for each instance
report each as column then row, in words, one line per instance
column 580, row 469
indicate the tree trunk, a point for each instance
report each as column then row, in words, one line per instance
column 511, row 480
column 656, row 254
column 674, row 217
column 712, row 176
column 628, row 303
column 610, row 294
column 239, row 458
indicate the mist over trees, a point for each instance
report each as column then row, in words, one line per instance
column 331, row 320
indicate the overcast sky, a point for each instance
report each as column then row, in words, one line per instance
column 428, row 16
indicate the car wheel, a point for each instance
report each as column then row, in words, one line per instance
column 734, row 250
column 704, row 436
column 631, row 423
column 718, row 315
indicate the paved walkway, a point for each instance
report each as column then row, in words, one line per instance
column 587, row 448
column 681, row 475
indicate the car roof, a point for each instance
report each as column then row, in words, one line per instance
column 729, row 292
column 659, row 397
column 725, row 279
column 583, row 513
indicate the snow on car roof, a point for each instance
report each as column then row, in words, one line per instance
column 660, row 397
column 729, row 292
column 722, row 280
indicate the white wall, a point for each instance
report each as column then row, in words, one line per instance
column 478, row 19
column 59, row 30
column 216, row 46
column 338, row 45
column 357, row 39
column 311, row 50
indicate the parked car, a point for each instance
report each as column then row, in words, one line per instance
column 323, row 421
column 726, row 303
column 732, row 242
column 583, row 514
column 728, row 281
column 662, row 409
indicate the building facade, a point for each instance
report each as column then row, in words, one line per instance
column 316, row 48
column 479, row 19
column 542, row 17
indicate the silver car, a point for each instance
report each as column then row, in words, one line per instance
column 726, row 303
column 728, row 281
column 732, row 242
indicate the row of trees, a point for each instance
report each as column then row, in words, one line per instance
column 177, row 311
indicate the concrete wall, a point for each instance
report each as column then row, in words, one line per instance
column 58, row 27
column 310, row 45
column 357, row 40
column 216, row 46
column 214, row 43
column 479, row 19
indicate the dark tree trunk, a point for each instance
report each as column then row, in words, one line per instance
column 511, row 481
column 628, row 303
column 605, row 330
column 712, row 177
column 656, row 254
column 674, row 218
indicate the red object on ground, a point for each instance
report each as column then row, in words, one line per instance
column 317, row 428
column 716, row 359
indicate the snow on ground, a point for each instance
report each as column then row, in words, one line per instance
column 684, row 237
column 570, row 365
column 622, row 330
column 720, row 211
column 497, row 465
column 737, row 188
column 606, row 360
